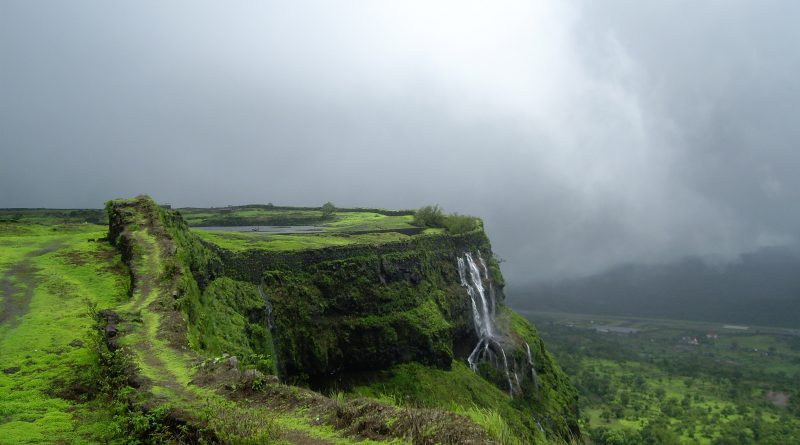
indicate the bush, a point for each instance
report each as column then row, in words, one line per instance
column 433, row 216
column 455, row 223
column 327, row 209
column 429, row 216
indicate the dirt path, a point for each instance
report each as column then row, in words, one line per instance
column 18, row 284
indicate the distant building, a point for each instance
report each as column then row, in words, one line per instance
column 736, row 327
column 691, row 341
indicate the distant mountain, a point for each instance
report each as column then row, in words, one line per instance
column 760, row 288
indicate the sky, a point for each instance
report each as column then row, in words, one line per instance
column 584, row 133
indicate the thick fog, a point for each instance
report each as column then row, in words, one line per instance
column 585, row 133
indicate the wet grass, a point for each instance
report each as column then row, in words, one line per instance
column 45, row 348
column 340, row 229
column 240, row 241
column 53, row 216
column 459, row 390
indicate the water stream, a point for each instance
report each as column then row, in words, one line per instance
column 483, row 311
column 534, row 377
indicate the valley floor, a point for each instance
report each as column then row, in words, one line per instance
column 676, row 382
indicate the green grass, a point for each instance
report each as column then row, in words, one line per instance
column 310, row 427
column 241, row 241
column 359, row 221
column 460, row 390
column 44, row 345
column 53, row 216
column 344, row 228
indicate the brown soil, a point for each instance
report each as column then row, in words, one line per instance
column 778, row 398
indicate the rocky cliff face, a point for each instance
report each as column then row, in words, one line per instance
column 339, row 311
column 345, row 313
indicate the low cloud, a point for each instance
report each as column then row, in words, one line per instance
column 584, row 133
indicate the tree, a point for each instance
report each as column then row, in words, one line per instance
column 328, row 209
column 429, row 216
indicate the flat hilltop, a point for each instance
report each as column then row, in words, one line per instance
column 267, row 227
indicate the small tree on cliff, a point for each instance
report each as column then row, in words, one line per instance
column 429, row 216
column 328, row 209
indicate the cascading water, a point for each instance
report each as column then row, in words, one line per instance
column 483, row 312
column 473, row 274
column 268, row 306
column 270, row 321
column 534, row 377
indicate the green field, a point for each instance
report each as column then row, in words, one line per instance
column 47, row 275
column 676, row 382
column 348, row 220
column 342, row 228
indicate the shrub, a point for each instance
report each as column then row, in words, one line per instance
column 328, row 209
column 433, row 216
column 429, row 216
column 455, row 223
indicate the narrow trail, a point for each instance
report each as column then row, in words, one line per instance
column 146, row 291
column 298, row 437
column 18, row 284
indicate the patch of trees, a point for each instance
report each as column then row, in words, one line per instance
column 434, row 216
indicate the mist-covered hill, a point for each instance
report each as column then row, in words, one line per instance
column 761, row 288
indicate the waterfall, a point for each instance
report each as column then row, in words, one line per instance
column 268, row 306
column 483, row 312
column 533, row 370
column 270, row 326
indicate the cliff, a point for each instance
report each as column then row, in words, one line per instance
column 363, row 319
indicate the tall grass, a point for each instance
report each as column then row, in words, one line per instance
column 491, row 421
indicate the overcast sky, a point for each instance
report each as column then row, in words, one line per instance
column 585, row 133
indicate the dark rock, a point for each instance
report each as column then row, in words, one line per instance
column 12, row 370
